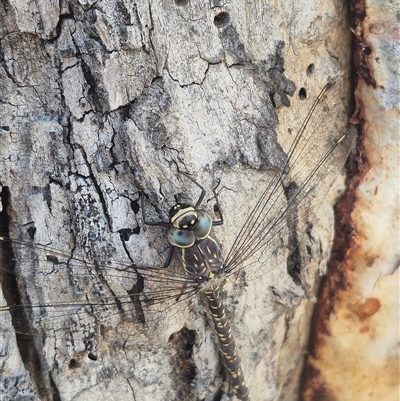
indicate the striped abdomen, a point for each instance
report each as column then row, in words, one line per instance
column 204, row 260
column 226, row 342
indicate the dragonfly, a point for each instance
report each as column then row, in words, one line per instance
column 143, row 295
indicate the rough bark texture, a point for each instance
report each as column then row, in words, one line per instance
column 102, row 101
column 354, row 351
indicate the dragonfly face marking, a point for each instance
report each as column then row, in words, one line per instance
column 183, row 216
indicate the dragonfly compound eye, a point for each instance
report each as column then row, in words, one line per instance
column 180, row 238
column 203, row 225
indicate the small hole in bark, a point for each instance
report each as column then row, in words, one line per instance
column 310, row 69
column 181, row 3
column 73, row 364
column 218, row 395
column 302, row 93
column 367, row 50
column 221, row 19
column 92, row 356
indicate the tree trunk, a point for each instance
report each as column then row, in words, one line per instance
column 103, row 103
column 354, row 345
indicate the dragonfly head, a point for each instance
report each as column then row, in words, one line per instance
column 187, row 225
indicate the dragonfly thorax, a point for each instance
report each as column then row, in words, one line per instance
column 187, row 225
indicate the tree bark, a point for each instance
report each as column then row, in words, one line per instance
column 354, row 345
column 102, row 103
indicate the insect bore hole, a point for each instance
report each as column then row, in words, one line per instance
column 302, row 93
column 92, row 356
column 367, row 50
column 73, row 364
column 221, row 19
column 310, row 69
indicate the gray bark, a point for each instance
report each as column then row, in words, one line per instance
column 104, row 101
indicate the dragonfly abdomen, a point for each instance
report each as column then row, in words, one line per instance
column 226, row 341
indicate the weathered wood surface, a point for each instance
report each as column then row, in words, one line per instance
column 355, row 339
column 102, row 101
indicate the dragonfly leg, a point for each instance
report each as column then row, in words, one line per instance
column 151, row 223
column 219, row 222
column 169, row 257
column 217, row 207
column 161, row 224
column 203, row 192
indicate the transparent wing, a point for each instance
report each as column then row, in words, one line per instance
column 67, row 295
column 316, row 157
